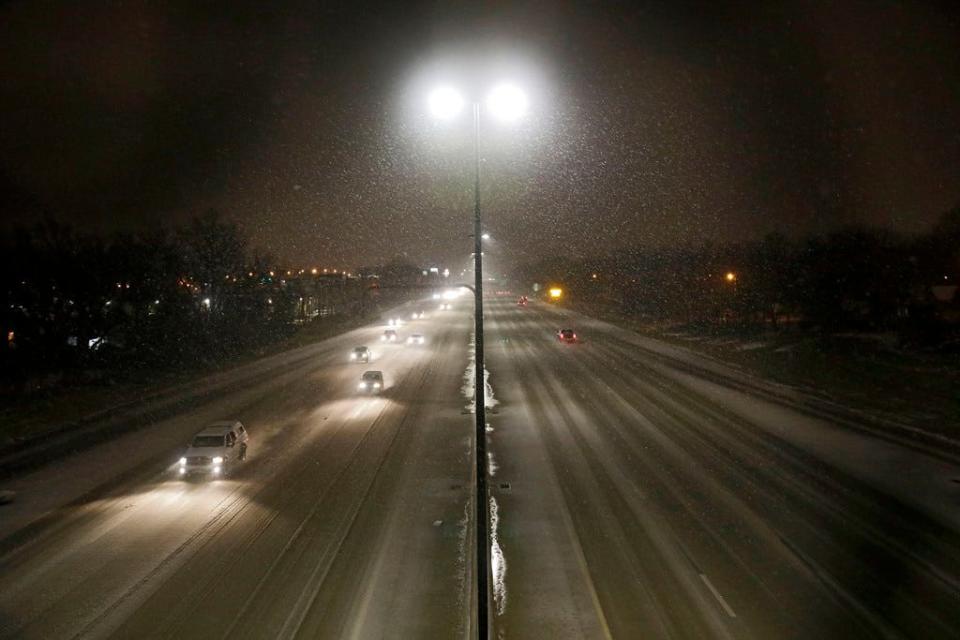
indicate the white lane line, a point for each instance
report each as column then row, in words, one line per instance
column 716, row 594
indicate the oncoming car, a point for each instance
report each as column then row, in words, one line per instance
column 444, row 306
column 418, row 315
column 390, row 335
column 567, row 335
column 416, row 338
column 360, row 354
column 215, row 450
column 395, row 322
column 371, row 382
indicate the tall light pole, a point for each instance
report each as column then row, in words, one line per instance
column 479, row 400
column 507, row 103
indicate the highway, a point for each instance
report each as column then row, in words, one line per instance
column 630, row 498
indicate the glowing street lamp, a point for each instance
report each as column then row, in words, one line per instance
column 556, row 293
column 731, row 276
column 445, row 103
column 507, row 102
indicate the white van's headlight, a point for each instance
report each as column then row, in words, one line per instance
column 353, row 356
column 183, row 461
column 362, row 385
column 376, row 385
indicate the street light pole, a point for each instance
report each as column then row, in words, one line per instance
column 482, row 515
column 507, row 102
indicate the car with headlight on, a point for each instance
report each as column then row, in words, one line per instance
column 444, row 306
column 567, row 335
column 416, row 338
column 390, row 335
column 395, row 322
column 371, row 382
column 215, row 450
column 360, row 354
column 418, row 315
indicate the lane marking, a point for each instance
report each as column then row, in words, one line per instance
column 716, row 594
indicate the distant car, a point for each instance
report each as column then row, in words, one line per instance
column 416, row 338
column 522, row 301
column 418, row 315
column 389, row 335
column 360, row 354
column 371, row 382
column 567, row 335
column 444, row 306
column 395, row 322
column 215, row 450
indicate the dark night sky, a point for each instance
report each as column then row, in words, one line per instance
column 651, row 123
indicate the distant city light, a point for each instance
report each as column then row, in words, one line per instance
column 206, row 302
column 313, row 271
column 485, row 236
column 556, row 293
column 731, row 276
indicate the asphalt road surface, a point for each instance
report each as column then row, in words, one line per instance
column 630, row 497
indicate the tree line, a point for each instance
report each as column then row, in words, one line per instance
column 853, row 279
column 85, row 303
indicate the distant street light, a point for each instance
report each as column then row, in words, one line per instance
column 731, row 276
column 508, row 103
column 556, row 293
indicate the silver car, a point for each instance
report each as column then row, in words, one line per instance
column 215, row 450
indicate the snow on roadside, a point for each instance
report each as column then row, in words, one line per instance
column 469, row 381
column 492, row 467
column 463, row 535
column 498, row 562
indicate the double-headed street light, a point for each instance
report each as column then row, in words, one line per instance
column 508, row 103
